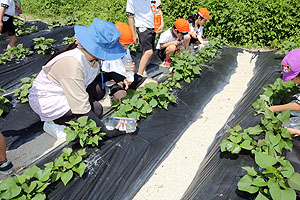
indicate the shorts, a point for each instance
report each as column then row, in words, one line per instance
column 138, row 80
column 9, row 27
column 146, row 38
column 161, row 53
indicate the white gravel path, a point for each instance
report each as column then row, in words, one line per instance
column 171, row 179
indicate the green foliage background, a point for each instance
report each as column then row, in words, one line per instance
column 255, row 23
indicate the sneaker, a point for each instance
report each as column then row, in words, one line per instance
column 55, row 130
column 168, row 62
column 6, row 167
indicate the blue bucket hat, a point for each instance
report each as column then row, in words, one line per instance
column 101, row 39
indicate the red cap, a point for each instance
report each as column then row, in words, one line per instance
column 203, row 12
column 126, row 33
column 182, row 25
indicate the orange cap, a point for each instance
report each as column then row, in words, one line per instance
column 182, row 25
column 126, row 33
column 203, row 12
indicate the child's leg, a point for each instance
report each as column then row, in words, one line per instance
column 148, row 80
column 170, row 50
column 12, row 41
column 2, row 148
column 187, row 40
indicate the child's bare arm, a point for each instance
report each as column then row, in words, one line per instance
column 278, row 108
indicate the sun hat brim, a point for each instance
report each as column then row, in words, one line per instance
column 86, row 36
column 290, row 76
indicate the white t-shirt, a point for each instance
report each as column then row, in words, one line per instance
column 166, row 37
column 117, row 66
column 199, row 31
column 143, row 15
column 10, row 10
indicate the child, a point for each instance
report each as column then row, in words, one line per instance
column 169, row 41
column 141, row 15
column 6, row 166
column 134, row 80
column 290, row 66
column 7, row 12
column 196, row 23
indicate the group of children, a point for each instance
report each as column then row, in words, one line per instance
column 72, row 81
column 142, row 19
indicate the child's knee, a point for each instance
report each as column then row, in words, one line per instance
column 187, row 37
column 171, row 49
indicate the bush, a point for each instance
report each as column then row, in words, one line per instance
column 258, row 23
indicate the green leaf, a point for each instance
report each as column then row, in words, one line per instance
column 31, row 171
column 43, row 175
column 260, row 196
column 246, row 145
column 237, row 128
column 285, row 133
column 264, row 160
column 42, row 187
column 31, row 187
column 71, row 135
column 274, row 139
column 251, row 170
column 245, row 184
column 82, row 120
column 39, row 197
column 284, row 116
column 59, row 162
column 235, row 149
column 21, row 178
column 7, row 183
column 275, row 191
column 75, row 160
column 255, row 130
column 66, row 176
column 11, row 192
column 153, row 103
column 235, row 139
column 288, row 194
column 287, row 171
column 115, row 103
column 67, row 151
column 258, row 181
column 80, row 169
column 294, row 181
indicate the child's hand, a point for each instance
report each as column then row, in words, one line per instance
column 176, row 43
column 271, row 108
column 293, row 131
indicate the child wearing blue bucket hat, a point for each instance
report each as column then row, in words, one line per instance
column 290, row 67
column 70, row 84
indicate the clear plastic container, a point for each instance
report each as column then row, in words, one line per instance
column 128, row 67
column 294, row 122
column 126, row 124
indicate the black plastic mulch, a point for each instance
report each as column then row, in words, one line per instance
column 219, row 173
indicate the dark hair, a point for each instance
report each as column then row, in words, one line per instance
column 192, row 18
column 174, row 27
column 69, row 47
